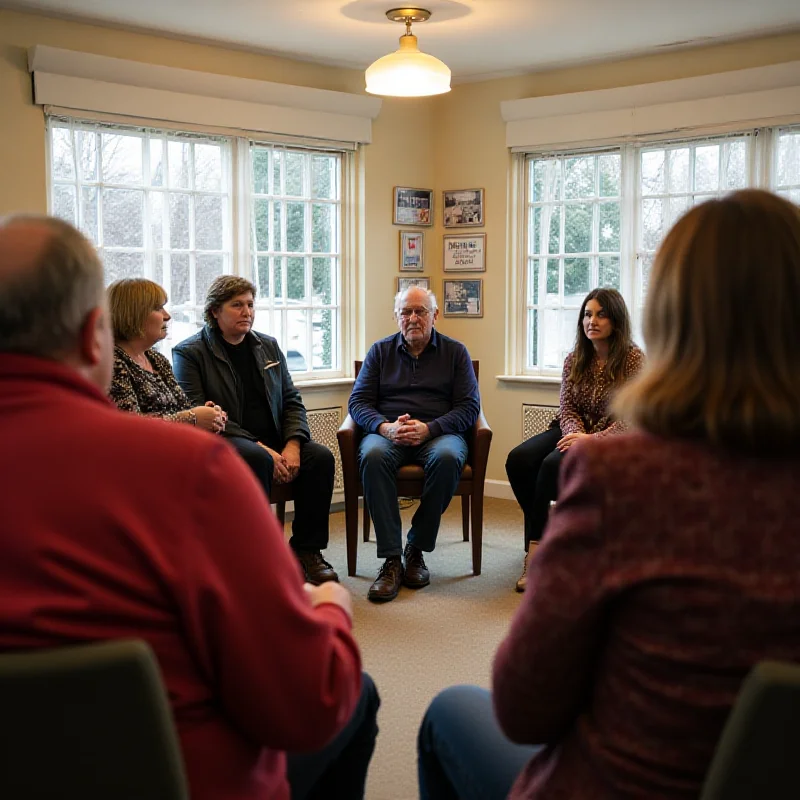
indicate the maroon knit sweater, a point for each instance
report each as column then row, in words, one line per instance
column 667, row 570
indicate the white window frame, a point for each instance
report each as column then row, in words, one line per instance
column 239, row 255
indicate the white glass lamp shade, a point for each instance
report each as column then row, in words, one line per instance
column 408, row 73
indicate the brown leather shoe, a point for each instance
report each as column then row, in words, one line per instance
column 316, row 568
column 388, row 582
column 417, row 574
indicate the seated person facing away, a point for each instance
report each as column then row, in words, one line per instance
column 246, row 373
column 143, row 381
column 159, row 532
column 670, row 564
column 603, row 359
column 415, row 398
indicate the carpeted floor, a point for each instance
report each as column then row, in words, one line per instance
column 434, row 637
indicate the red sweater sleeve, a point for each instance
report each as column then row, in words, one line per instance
column 287, row 675
column 543, row 670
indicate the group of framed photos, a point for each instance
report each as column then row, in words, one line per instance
column 463, row 208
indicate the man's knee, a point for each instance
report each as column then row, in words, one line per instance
column 320, row 457
column 374, row 454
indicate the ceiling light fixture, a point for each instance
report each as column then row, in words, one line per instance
column 407, row 72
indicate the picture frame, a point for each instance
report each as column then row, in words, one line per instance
column 412, row 206
column 463, row 208
column 463, row 298
column 404, row 283
column 464, row 252
column 411, row 251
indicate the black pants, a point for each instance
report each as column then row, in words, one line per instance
column 532, row 470
column 312, row 488
column 339, row 770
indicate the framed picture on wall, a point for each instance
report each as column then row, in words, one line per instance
column 412, row 206
column 411, row 251
column 406, row 283
column 464, row 252
column 463, row 298
column 463, row 208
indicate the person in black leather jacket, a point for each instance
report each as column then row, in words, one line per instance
column 246, row 373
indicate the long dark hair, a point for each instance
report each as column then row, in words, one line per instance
column 619, row 343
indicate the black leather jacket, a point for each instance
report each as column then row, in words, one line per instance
column 205, row 373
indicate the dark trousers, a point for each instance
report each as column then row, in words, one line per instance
column 532, row 469
column 461, row 752
column 339, row 770
column 312, row 488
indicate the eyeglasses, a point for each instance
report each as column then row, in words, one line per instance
column 406, row 313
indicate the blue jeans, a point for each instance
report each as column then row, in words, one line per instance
column 442, row 458
column 340, row 769
column 462, row 753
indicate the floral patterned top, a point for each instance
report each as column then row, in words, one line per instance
column 152, row 394
column 583, row 407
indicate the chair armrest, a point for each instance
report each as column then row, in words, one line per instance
column 348, row 436
column 480, row 439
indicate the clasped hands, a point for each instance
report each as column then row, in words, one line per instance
column 565, row 442
column 405, row 431
column 286, row 464
column 210, row 417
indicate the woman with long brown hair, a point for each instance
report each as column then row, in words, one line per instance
column 604, row 358
column 670, row 563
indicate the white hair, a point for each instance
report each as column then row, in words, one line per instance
column 399, row 297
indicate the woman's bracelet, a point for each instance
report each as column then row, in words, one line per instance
column 191, row 418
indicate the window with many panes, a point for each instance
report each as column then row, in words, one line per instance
column 673, row 177
column 597, row 219
column 296, row 252
column 573, row 245
column 786, row 163
column 164, row 205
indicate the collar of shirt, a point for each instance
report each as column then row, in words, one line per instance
column 403, row 348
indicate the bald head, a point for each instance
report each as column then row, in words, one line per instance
column 50, row 281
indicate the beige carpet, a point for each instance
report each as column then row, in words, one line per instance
column 434, row 637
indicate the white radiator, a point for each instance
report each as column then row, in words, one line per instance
column 536, row 419
column 324, row 422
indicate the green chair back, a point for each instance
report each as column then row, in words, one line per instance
column 758, row 754
column 90, row 722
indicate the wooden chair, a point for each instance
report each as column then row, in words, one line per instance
column 410, row 480
column 279, row 496
column 91, row 721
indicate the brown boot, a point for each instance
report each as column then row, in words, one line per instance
column 417, row 574
column 317, row 570
column 388, row 582
column 523, row 579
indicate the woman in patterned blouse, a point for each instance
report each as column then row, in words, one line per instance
column 603, row 359
column 143, row 381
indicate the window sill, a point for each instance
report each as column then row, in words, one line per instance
column 323, row 383
column 546, row 379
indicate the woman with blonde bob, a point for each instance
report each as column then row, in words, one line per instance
column 670, row 563
column 143, row 381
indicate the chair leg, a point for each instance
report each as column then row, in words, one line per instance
column 366, row 521
column 351, row 530
column 477, row 532
column 465, row 515
column 280, row 513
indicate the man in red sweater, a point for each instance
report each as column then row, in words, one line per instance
column 115, row 526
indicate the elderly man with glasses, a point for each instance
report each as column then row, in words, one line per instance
column 415, row 399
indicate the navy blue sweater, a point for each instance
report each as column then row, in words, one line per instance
column 438, row 387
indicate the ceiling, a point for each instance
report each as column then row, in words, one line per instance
column 477, row 39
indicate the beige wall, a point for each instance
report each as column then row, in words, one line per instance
column 454, row 141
